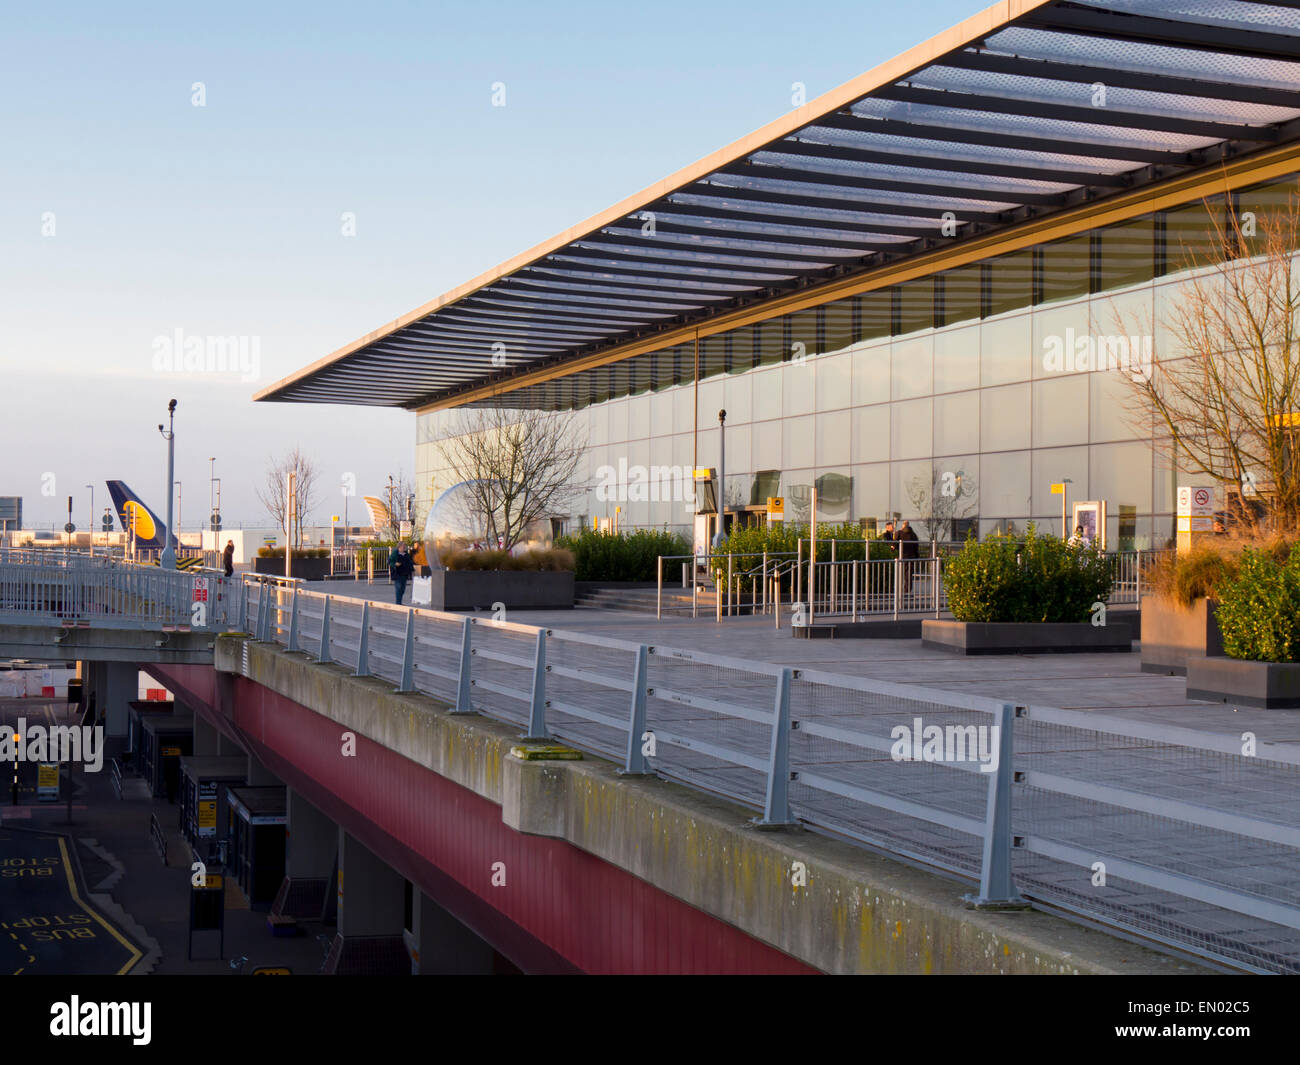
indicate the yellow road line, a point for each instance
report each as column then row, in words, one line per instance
column 72, row 888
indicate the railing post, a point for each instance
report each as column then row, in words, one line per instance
column 537, row 704
column 463, row 680
column 1137, row 591
column 323, row 652
column 854, row 564
column 363, row 644
column 997, row 886
column 776, row 809
column 292, row 643
column 765, row 580
column 636, row 763
column 898, row 579
column 407, row 683
column 729, row 557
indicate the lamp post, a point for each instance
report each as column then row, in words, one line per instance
column 168, row 559
column 720, row 535
column 90, row 525
column 178, row 513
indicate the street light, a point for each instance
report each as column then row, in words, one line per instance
column 168, row 559
column 720, row 535
column 178, row 512
column 91, row 524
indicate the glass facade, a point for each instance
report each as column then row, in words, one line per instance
column 954, row 400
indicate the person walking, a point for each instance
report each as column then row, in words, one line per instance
column 908, row 552
column 400, row 568
column 228, row 558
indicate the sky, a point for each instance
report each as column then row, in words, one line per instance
column 178, row 171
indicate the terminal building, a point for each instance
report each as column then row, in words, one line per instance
column 926, row 294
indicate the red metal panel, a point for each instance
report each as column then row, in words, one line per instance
column 579, row 909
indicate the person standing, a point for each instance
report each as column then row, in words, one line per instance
column 228, row 558
column 908, row 551
column 400, row 568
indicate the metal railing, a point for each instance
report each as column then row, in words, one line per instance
column 1081, row 812
column 865, row 587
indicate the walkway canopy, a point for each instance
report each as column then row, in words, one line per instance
column 1030, row 108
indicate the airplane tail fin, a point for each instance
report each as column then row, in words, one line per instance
column 150, row 532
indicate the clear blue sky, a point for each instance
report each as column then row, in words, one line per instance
column 225, row 219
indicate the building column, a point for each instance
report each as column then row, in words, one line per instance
column 121, row 686
column 258, row 775
column 311, row 842
column 440, row 945
column 372, row 898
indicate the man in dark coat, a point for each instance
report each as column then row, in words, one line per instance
column 908, row 551
column 228, row 558
column 400, row 568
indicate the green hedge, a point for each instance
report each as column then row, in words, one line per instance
column 1259, row 609
column 747, row 544
column 1030, row 579
column 298, row 552
column 549, row 559
column 624, row 556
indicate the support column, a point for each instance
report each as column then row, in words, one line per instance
column 121, row 686
column 258, row 775
column 441, row 946
column 372, row 900
column 311, row 842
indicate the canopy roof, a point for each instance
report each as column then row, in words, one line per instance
column 1027, row 109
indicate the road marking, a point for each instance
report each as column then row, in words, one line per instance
column 72, row 889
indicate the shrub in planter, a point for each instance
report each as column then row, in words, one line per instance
column 546, row 560
column 1034, row 579
column 298, row 552
column 630, row 556
column 1259, row 609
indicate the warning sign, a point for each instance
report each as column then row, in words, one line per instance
column 200, row 589
column 47, row 782
column 1195, row 508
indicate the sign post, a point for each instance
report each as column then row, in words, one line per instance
column 1195, row 513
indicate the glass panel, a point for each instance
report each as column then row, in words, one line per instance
column 911, row 429
column 1194, row 235
column 712, row 351
column 767, row 394
column 871, row 433
column 1006, row 350
column 956, row 423
column 1113, row 394
column 911, row 367
column 798, row 434
column 1005, row 487
column 1061, row 411
column 771, row 344
column 1065, row 268
column 916, row 305
column 1051, row 466
column 833, row 439
column 834, row 494
column 957, row 359
column 638, row 418
column 961, row 294
column 875, row 314
column 1011, row 282
column 1121, row 475
column 737, row 394
column 837, row 326
column 799, row 387
column 1128, row 253
column 834, row 375
column 1057, row 330
column 871, row 491
column 1004, row 419
column 803, row 339
column 871, row 375
column 1270, row 204
column 765, row 441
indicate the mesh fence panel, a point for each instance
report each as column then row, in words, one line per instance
column 387, row 644
column 604, row 688
column 1164, row 840
column 864, row 759
column 345, row 631
column 500, row 688
column 437, row 655
column 680, row 689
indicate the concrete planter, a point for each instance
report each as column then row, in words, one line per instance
column 1014, row 638
column 516, row 589
column 307, row 569
column 1172, row 634
column 1273, row 685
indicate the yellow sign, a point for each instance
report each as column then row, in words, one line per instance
column 208, row 813
column 171, row 752
column 1286, row 421
column 776, row 504
column 272, row 970
column 47, row 781
column 1058, row 489
column 703, row 474
column 211, row 882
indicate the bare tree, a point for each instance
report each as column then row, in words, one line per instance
column 1227, row 406
column 274, row 494
column 518, row 466
column 403, row 505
